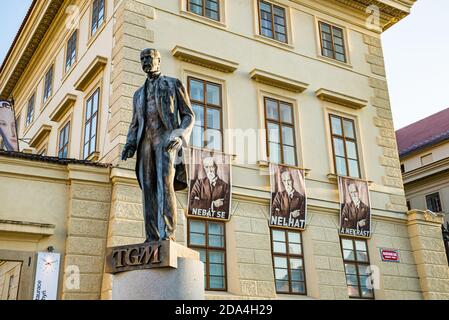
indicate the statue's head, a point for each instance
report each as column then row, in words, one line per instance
column 150, row 60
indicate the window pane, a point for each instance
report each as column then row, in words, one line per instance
column 297, row 275
column 265, row 7
column 197, row 239
column 280, row 262
column 212, row 14
column 278, row 235
column 353, row 291
column 362, row 256
column 216, row 270
column 95, row 102
column 288, row 136
column 197, row 226
column 279, row 247
column 340, row 57
column 275, row 153
column 351, row 280
column 339, row 147
column 289, row 156
column 294, row 237
column 267, row 32
column 350, row 269
column 337, row 32
column 298, row 287
column 347, row 244
column 213, row 94
column 214, row 139
column 360, row 246
column 325, row 28
column 336, row 126
column 354, row 169
column 197, row 137
column 216, row 283
column 199, row 115
column 348, row 255
column 196, row 90
column 351, row 149
column 272, row 109
column 294, row 248
column 213, row 118
column 296, row 264
column 216, row 228
column 286, row 113
column 281, row 274
column 216, row 257
column 273, row 133
column 216, row 241
column 282, row 286
column 341, row 166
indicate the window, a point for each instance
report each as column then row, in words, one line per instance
column 90, row 124
column 434, row 202
column 48, row 84
column 64, row 139
column 344, row 143
column 409, row 206
column 208, row 238
column 279, row 123
column 206, row 8
column 427, row 159
column 357, row 268
column 206, row 98
column 288, row 261
column 402, row 168
column 332, row 42
column 272, row 21
column 30, row 110
column 97, row 15
column 71, row 51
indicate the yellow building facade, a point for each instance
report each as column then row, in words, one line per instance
column 73, row 70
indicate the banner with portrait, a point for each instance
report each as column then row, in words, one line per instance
column 355, row 208
column 288, row 205
column 210, row 187
column 8, row 127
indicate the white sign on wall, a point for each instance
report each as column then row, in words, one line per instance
column 47, row 276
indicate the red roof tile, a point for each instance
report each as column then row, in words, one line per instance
column 423, row 133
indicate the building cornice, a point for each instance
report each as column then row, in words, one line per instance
column 426, row 171
column 391, row 11
column 31, row 33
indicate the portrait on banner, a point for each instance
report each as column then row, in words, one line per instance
column 288, row 197
column 8, row 129
column 210, row 185
column 355, row 208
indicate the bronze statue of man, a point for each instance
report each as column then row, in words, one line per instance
column 161, row 125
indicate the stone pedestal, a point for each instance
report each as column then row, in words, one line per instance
column 186, row 282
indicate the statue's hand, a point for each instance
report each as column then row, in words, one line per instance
column 174, row 144
column 128, row 151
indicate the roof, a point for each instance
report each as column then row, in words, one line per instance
column 53, row 160
column 424, row 133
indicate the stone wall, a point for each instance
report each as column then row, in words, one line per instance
column 380, row 100
column 428, row 249
column 398, row 280
column 89, row 206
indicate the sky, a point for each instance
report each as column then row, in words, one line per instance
column 416, row 54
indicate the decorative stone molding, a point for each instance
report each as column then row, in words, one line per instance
column 204, row 60
column 278, row 81
column 39, row 18
column 95, row 67
column 29, row 228
column 40, row 136
column 341, row 99
column 391, row 11
column 64, row 107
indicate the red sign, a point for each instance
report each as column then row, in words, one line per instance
column 389, row 255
